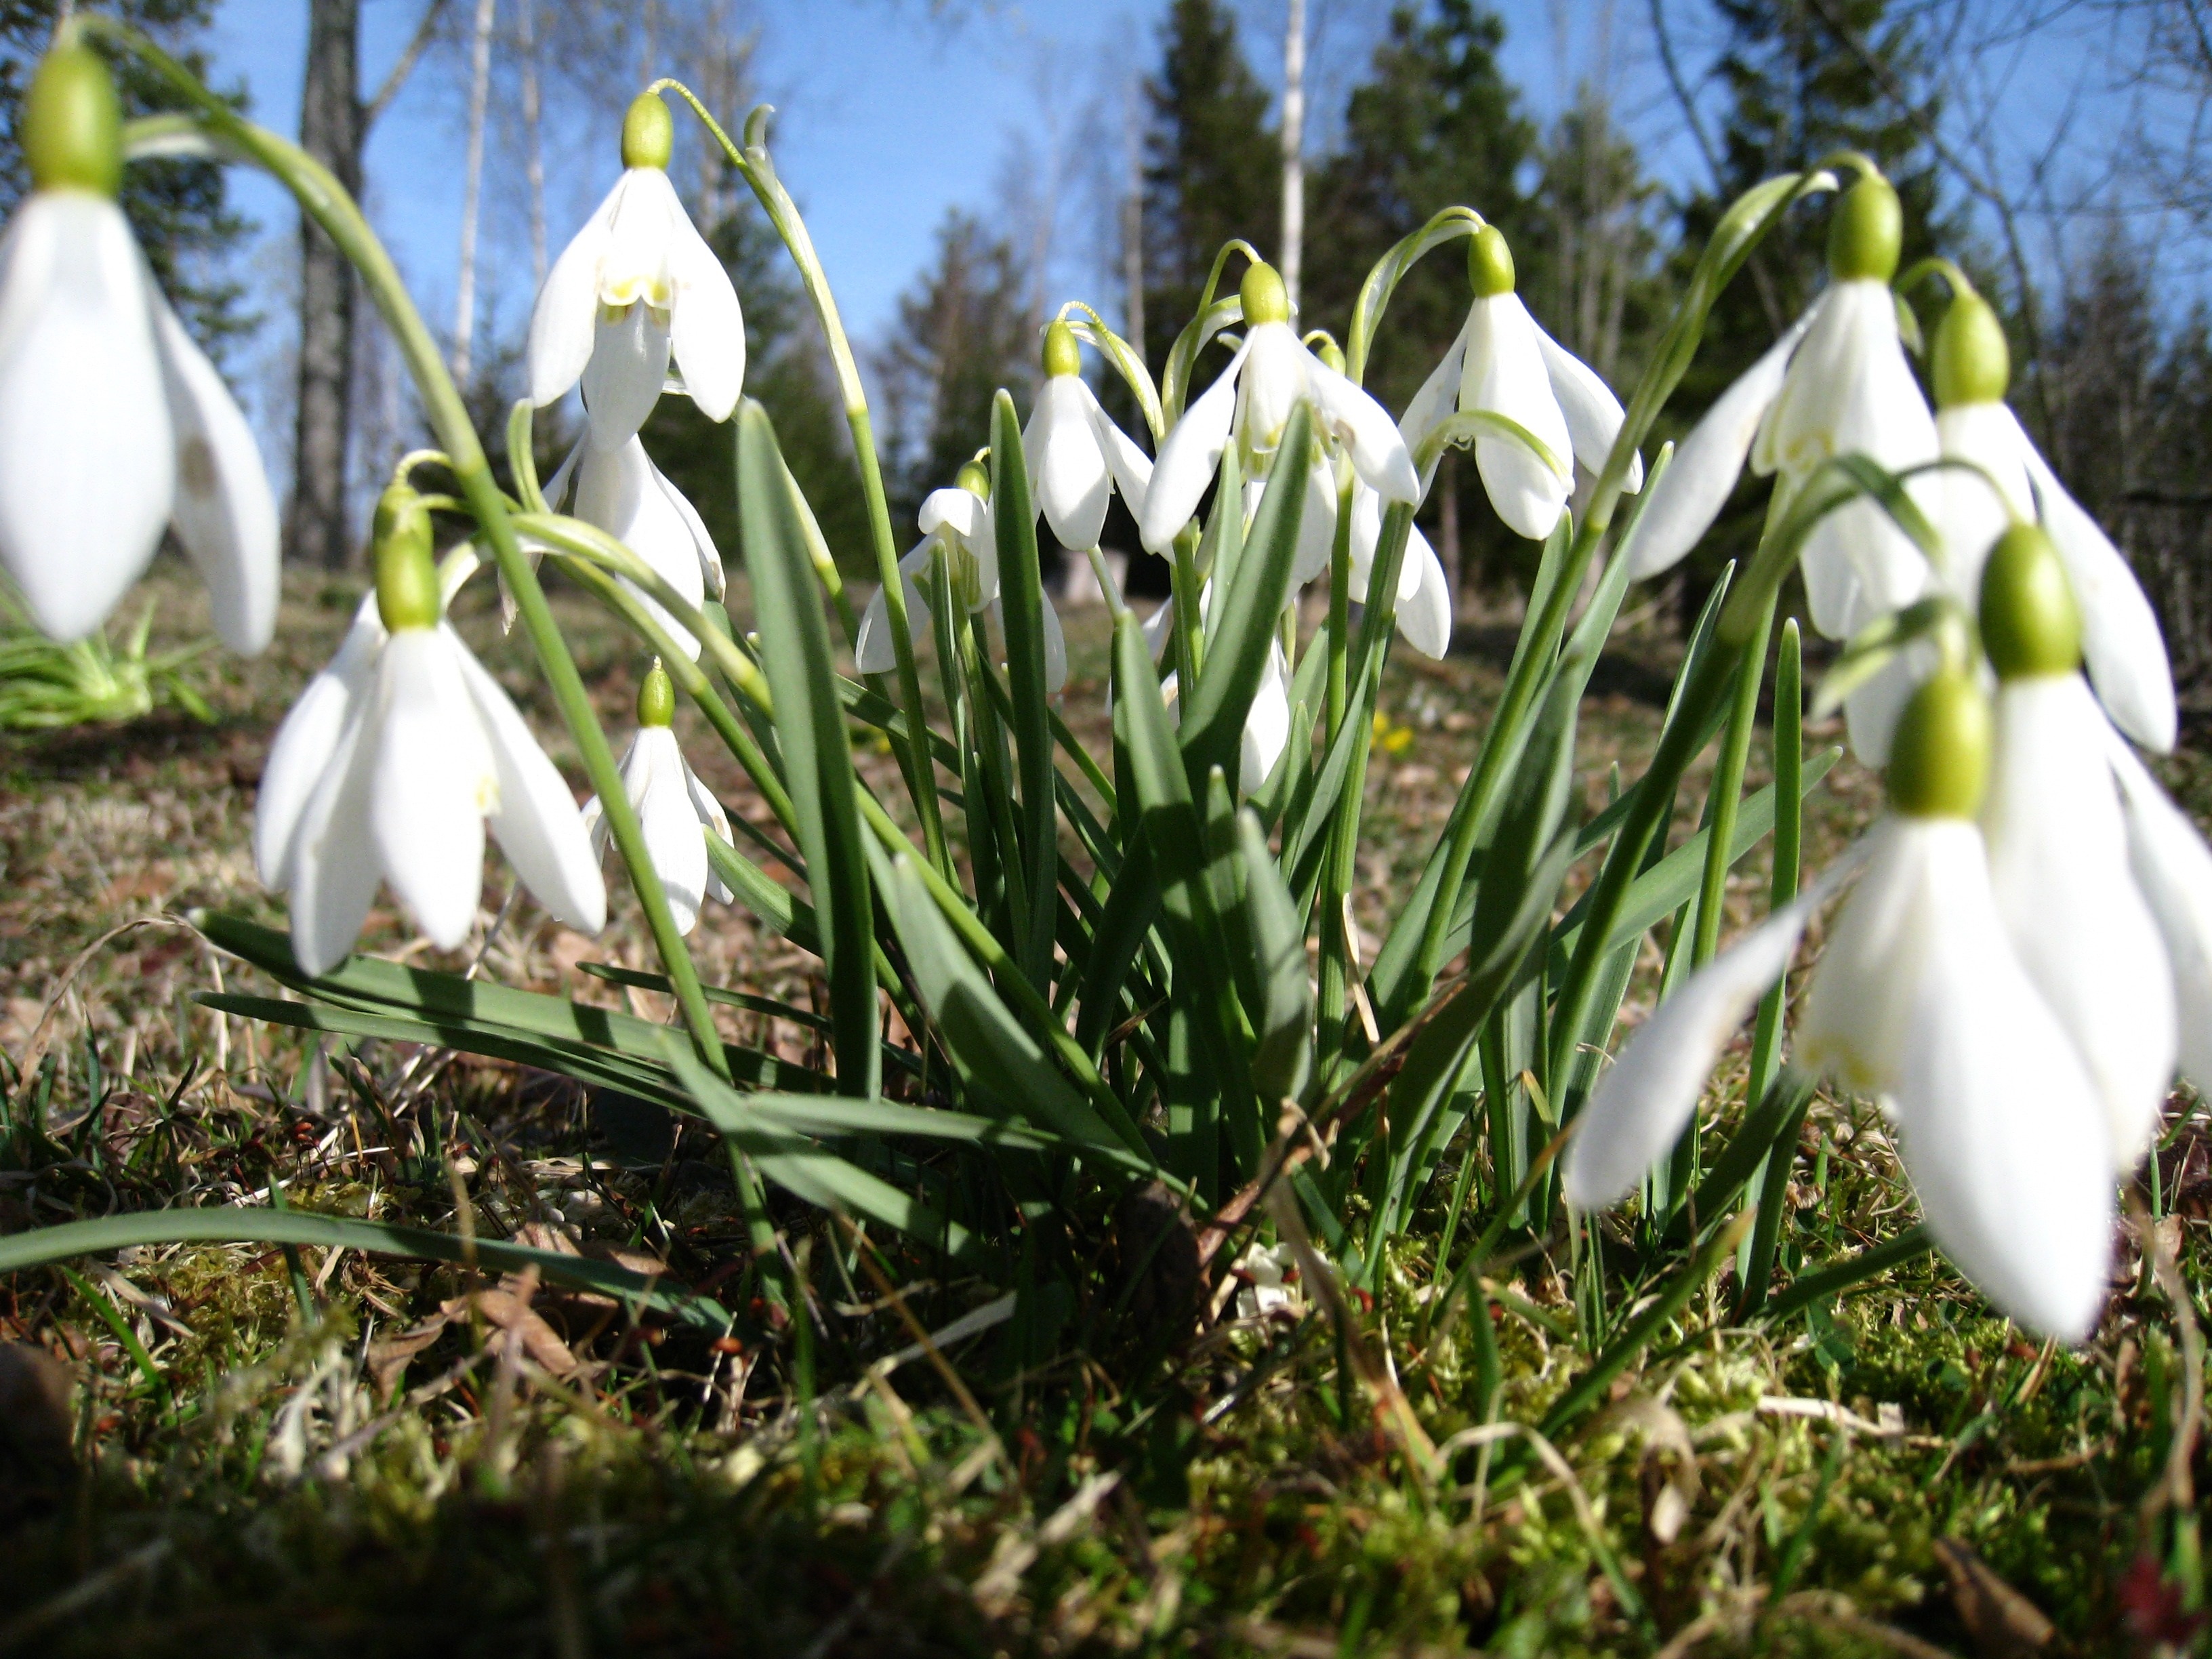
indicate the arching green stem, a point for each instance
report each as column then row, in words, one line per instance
column 325, row 200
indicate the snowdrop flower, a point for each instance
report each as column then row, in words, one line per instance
column 673, row 807
column 1921, row 1002
column 618, row 487
column 2059, row 844
column 637, row 284
column 959, row 523
column 1076, row 455
column 1252, row 400
column 114, row 425
column 2173, row 868
column 391, row 762
column 1269, row 1281
column 1424, row 611
column 1267, row 722
column 2121, row 645
column 1837, row 384
column 1504, row 365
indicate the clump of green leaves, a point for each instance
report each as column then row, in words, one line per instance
column 45, row 686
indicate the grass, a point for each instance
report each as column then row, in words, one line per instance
column 258, row 1451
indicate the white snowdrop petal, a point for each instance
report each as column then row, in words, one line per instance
column 1276, row 370
column 1593, row 414
column 1856, row 1010
column 958, row 508
column 669, row 824
column 333, row 871
column 620, row 490
column 306, row 745
column 873, row 652
column 2058, row 865
column 1266, row 725
column 87, row 454
column 561, row 322
column 1424, row 598
column 641, row 235
column 1504, row 375
column 1316, row 524
column 535, row 820
column 1187, row 459
column 2173, row 867
column 2121, row 644
column 1158, row 628
column 1131, row 467
column 1646, row 1098
column 710, row 557
column 1998, row 1127
column 1870, row 712
column 712, row 819
column 431, row 781
column 622, row 379
column 1068, row 465
column 224, row 513
column 1971, row 509
column 1365, row 429
column 707, row 324
column 1055, row 648
column 1684, row 503
column 1437, row 398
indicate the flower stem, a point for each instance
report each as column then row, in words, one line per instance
column 1726, row 795
column 326, row 201
column 754, row 166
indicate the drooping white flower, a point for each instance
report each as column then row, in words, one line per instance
column 2173, row 868
column 1267, row 722
column 636, row 285
column 1838, row 384
column 618, row 487
column 391, row 765
column 1075, row 454
column 114, row 425
column 1424, row 609
column 1271, row 373
column 1504, row 364
column 2122, row 646
column 958, row 524
column 2058, row 845
column 675, row 811
column 1921, row 1002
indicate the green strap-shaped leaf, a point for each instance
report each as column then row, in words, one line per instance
column 225, row 1225
column 810, row 722
column 1282, row 1019
column 1021, row 588
column 1237, row 648
column 996, row 1056
column 820, row 1177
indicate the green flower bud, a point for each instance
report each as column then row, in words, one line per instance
column 1061, row 356
column 1866, row 232
column 648, row 132
column 1489, row 262
column 1266, row 299
column 1331, row 354
column 976, row 479
column 406, row 580
column 1971, row 363
column 1939, row 760
column 72, row 126
column 656, row 698
column 2030, row 623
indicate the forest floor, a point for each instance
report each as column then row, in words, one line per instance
column 243, row 1450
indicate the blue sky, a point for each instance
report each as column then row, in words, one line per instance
column 888, row 115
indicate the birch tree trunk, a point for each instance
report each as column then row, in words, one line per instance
column 465, row 287
column 1294, row 148
column 533, row 146
column 331, row 130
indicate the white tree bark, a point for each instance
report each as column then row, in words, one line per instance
column 1294, row 147
column 464, row 289
column 533, row 144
